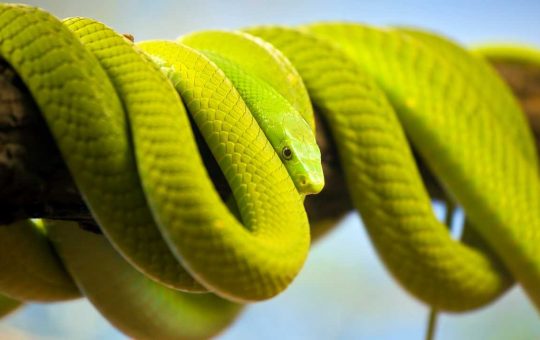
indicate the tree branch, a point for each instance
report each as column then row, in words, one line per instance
column 35, row 182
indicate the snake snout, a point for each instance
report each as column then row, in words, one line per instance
column 310, row 186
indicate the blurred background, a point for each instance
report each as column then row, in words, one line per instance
column 343, row 291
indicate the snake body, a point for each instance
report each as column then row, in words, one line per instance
column 123, row 129
column 8, row 305
column 425, row 111
column 286, row 120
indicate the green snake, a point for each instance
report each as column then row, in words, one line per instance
column 122, row 116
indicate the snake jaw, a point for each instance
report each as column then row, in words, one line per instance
column 309, row 180
column 249, row 264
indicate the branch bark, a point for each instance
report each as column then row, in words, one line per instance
column 35, row 182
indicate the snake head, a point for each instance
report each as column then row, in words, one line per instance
column 301, row 156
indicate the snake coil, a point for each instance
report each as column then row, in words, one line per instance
column 122, row 127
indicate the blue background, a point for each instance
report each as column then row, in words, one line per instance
column 343, row 291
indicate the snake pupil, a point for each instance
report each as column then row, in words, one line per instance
column 287, row 153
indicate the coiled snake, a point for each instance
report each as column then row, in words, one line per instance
column 118, row 112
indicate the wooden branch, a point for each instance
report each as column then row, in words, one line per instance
column 35, row 183
column 525, row 83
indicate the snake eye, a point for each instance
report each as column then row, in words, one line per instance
column 287, row 153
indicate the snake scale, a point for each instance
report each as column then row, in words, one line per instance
column 174, row 259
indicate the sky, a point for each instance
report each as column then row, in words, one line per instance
column 343, row 292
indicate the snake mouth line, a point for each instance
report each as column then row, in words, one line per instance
column 166, row 232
